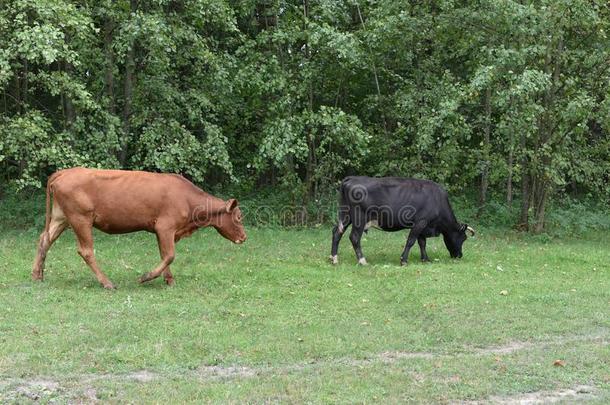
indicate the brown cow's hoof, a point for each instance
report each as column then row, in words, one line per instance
column 170, row 282
column 143, row 278
column 109, row 286
column 37, row 278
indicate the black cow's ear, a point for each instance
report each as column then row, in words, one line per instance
column 231, row 204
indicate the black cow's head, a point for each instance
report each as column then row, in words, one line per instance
column 455, row 239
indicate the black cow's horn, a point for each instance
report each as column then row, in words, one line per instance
column 470, row 230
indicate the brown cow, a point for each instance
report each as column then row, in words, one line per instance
column 118, row 201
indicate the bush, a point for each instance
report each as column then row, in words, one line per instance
column 25, row 210
column 22, row 210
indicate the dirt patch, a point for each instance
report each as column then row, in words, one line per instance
column 31, row 389
column 513, row 347
column 142, row 376
column 226, row 372
column 504, row 349
column 568, row 395
column 47, row 389
column 90, row 395
column 390, row 357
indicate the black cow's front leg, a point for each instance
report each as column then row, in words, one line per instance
column 413, row 236
column 355, row 236
column 422, row 249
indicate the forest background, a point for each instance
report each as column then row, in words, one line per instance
column 506, row 103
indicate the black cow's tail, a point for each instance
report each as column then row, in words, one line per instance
column 344, row 211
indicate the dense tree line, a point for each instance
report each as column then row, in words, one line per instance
column 502, row 96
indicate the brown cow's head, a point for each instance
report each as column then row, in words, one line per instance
column 228, row 223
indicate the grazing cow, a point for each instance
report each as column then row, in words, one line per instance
column 118, row 201
column 393, row 204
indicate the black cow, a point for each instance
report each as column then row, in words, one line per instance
column 393, row 204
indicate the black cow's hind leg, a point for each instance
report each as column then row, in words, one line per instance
column 422, row 249
column 413, row 236
column 338, row 231
column 355, row 236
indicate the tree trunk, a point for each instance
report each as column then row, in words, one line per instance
column 69, row 112
column 311, row 145
column 540, row 189
column 26, row 73
column 525, row 188
column 375, row 76
column 18, row 94
column 509, row 180
column 486, row 153
column 542, row 193
column 128, row 95
column 309, row 174
column 109, row 68
column 525, row 203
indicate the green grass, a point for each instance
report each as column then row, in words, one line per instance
column 272, row 321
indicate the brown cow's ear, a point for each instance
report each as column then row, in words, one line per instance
column 231, row 204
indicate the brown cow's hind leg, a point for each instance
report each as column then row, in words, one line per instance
column 84, row 234
column 166, row 247
column 47, row 237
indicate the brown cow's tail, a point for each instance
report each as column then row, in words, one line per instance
column 48, row 212
column 48, row 206
column 43, row 244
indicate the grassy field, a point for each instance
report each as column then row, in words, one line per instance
column 272, row 321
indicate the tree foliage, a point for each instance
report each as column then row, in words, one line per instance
column 506, row 97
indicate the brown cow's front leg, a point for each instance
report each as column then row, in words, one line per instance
column 166, row 247
column 169, row 278
column 84, row 234
column 167, row 273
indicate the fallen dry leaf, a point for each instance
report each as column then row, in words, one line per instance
column 559, row 363
column 503, row 292
column 455, row 378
